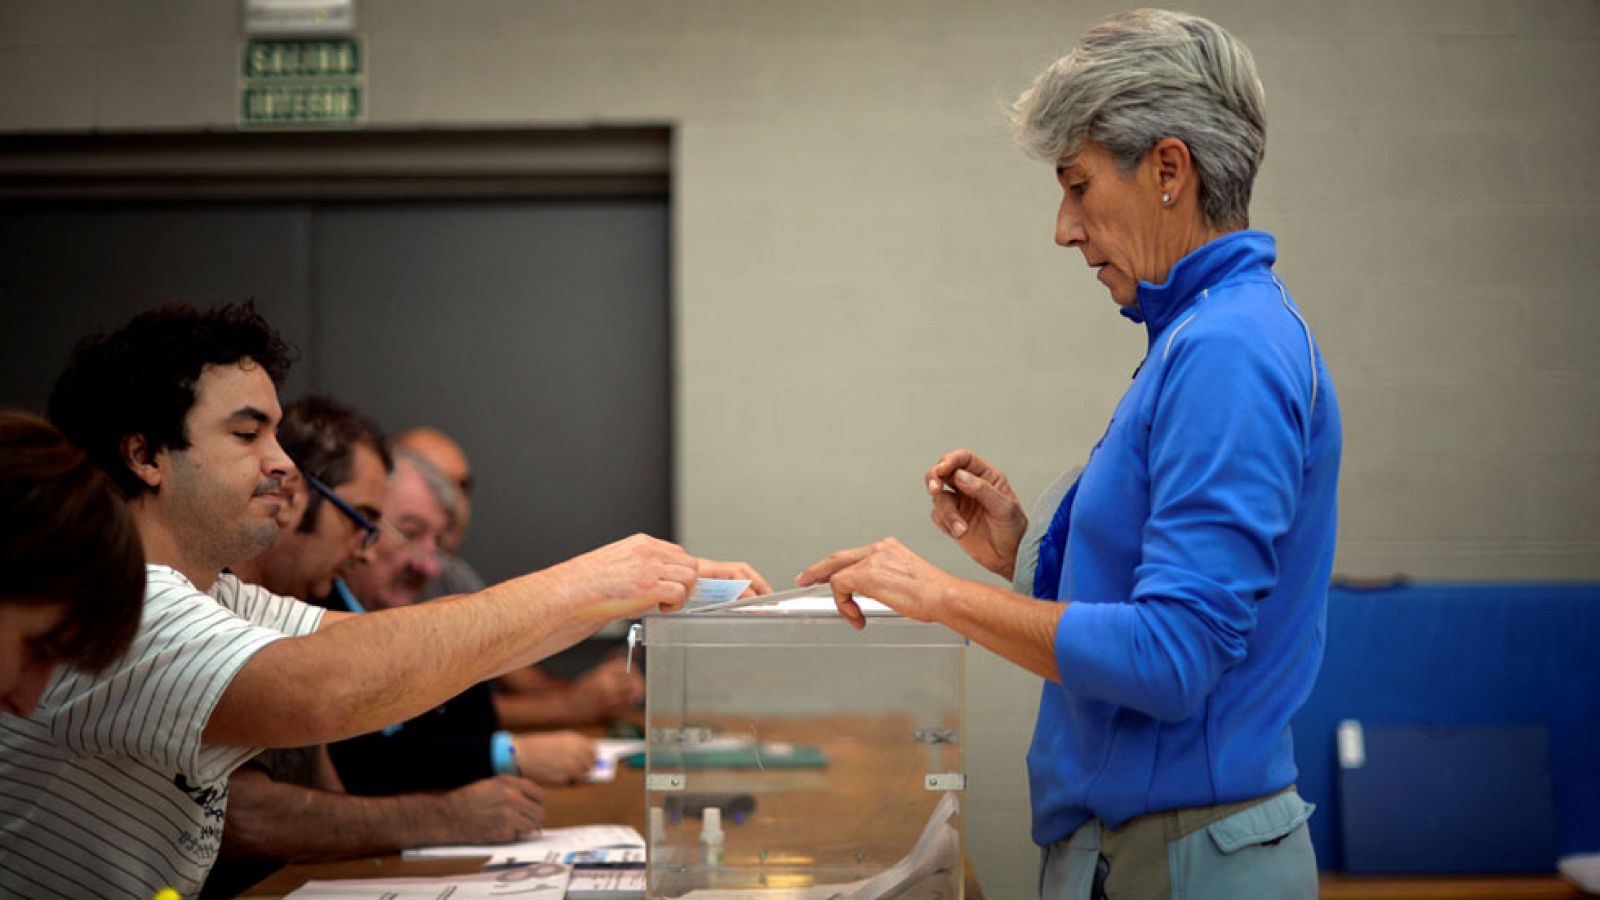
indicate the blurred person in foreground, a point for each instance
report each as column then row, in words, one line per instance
column 1172, row 596
column 528, row 697
column 74, row 571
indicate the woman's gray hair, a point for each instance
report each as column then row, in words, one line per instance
column 1149, row 74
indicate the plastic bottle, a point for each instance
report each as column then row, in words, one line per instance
column 711, row 835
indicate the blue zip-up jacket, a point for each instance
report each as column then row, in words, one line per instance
column 1195, row 549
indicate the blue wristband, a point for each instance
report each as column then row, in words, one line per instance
column 503, row 754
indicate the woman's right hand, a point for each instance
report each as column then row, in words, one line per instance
column 974, row 504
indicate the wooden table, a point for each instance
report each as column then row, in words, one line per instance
column 856, row 752
column 855, row 755
column 1333, row 887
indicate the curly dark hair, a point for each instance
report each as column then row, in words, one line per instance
column 321, row 436
column 66, row 537
column 140, row 379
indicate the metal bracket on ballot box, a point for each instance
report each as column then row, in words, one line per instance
column 635, row 634
column 665, row 781
column 945, row 781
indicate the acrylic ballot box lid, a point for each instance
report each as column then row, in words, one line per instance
column 793, row 625
column 832, row 756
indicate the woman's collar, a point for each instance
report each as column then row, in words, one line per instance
column 1208, row 265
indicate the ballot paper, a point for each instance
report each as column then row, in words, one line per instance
column 716, row 590
column 937, row 852
column 538, row 880
column 812, row 598
column 549, row 847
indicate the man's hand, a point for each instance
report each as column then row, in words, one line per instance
column 493, row 811
column 737, row 571
column 605, row 693
column 887, row 572
column 556, row 757
column 974, row 504
column 633, row 576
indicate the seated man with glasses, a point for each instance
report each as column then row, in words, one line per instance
column 419, row 515
column 289, row 805
column 464, row 739
column 528, row 698
column 330, row 521
column 457, row 576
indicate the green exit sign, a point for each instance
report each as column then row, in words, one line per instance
column 330, row 58
column 306, row 83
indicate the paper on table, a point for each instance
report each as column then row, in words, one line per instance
column 606, row 858
column 606, row 884
column 812, row 598
column 544, row 879
column 1584, row 868
column 549, row 846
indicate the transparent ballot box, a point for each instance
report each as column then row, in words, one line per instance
column 792, row 756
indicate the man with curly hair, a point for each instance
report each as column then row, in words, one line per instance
column 116, row 786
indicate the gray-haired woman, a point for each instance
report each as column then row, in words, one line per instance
column 1172, row 598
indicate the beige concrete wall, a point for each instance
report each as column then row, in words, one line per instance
column 864, row 276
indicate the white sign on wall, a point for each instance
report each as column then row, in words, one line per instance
column 294, row 17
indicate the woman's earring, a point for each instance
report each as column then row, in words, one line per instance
column 1166, row 198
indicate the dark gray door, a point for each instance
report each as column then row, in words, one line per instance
column 536, row 331
column 70, row 270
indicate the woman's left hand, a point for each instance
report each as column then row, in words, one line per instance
column 886, row 571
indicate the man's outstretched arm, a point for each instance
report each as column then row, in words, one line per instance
column 364, row 672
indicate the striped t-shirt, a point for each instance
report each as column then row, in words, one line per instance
column 106, row 790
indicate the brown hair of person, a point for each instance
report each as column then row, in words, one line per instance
column 66, row 537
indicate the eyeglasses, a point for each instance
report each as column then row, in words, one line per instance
column 425, row 542
column 361, row 521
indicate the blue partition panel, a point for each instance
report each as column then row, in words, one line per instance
column 1461, row 654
